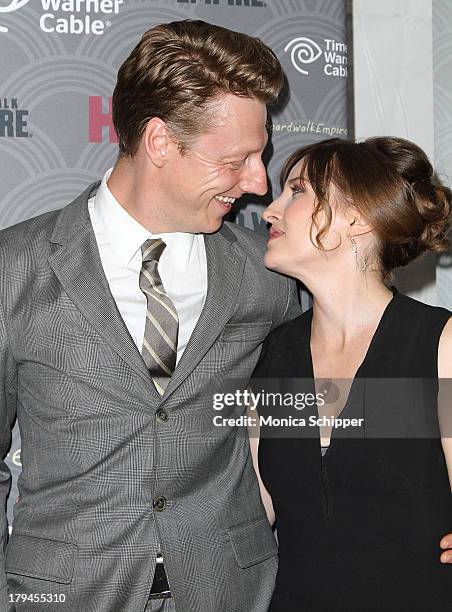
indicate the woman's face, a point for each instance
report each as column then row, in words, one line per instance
column 290, row 249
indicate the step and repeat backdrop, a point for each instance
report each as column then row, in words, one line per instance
column 59, row 60
column 442, row 99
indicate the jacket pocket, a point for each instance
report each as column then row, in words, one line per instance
column 35, row 557
column 253, row 542
column 245, row 332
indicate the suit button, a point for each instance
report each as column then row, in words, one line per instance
column 159, row 503
column 162, row 415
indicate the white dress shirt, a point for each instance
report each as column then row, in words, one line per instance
column 182, row 266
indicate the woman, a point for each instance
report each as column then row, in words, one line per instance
column 360, row 514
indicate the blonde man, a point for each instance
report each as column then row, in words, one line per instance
column 120, row 315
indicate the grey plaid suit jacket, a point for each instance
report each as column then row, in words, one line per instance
column 95, row 453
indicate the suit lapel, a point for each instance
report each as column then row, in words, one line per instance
column 224, row 278
column 78, row 267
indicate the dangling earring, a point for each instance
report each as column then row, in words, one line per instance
column 361, row 264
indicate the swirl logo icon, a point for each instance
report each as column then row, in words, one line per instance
column 304, row 51
column 14, row 5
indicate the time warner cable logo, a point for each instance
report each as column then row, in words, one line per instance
column 70, row 16
column 304, row 51
column 13, row 6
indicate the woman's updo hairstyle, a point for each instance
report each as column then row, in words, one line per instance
column 390, row 182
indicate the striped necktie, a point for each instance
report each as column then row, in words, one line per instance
column 160, row 335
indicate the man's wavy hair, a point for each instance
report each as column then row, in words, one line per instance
column 178, row 69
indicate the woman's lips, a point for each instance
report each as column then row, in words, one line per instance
column 274, row 233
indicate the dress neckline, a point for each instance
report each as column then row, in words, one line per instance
column 358, row 374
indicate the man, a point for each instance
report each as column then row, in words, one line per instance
column 120, row 316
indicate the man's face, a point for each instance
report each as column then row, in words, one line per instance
column 218, row 167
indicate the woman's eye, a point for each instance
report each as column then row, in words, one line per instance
column 296, row 189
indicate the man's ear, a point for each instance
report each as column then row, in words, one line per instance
column 157, row 141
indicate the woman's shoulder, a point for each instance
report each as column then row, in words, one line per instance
column 288, row 328
column 416, row 311
column 413, row 334
column 445, row 351
column 283, row 346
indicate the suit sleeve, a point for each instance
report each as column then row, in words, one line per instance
column 8, row 392
column 291, row 307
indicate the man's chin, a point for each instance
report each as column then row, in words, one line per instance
column 209, row 224
column 206, row 226
column 213, row 225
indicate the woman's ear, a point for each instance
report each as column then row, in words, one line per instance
column 358, row 226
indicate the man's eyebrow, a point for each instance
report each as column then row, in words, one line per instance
column 262, row 149
column 244, row 153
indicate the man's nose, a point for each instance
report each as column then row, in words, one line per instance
column 254, row 179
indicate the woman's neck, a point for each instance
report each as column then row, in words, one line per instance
column 344, row 309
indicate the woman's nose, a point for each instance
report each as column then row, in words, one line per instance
column 272, row 213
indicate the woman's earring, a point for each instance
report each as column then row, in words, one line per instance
column 361, row 264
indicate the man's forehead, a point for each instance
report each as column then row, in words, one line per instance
column 237, row 147
column 227, row 106
column 237, row 125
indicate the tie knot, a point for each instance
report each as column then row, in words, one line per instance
column 152, row 249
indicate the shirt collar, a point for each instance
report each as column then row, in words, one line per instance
column 126, row 235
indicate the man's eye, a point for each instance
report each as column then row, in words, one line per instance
column 236, row 165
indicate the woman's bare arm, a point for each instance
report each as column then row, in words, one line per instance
column 445, row 416
column 254, row 445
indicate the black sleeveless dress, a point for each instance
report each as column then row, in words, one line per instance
column 359, row 528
